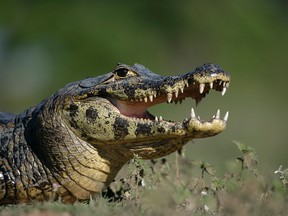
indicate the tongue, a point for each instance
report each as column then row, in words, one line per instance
column 137, row 110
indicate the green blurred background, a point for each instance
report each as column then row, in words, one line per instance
column 47, row 44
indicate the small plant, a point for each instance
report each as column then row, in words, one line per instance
column 248, row 159
column 283, row 176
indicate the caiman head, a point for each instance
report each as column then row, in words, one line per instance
column 110, row 111
column 85, row 132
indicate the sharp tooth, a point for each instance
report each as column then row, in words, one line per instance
column 227, row 84
column 220, row 82
column 217, row 114
column 160, row 118
column 169, row 97
column 226, row 116
column 141, row 99
column 176, row 93
column 193, row 115
column 156, row 118
column 145, row 99
column 155, row 95
column 223, row 91
column 201, row 88
column 181, row 89
column 186, row 83
column 151, row 98
column 211, row 85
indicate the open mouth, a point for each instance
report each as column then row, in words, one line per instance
column 137, row 108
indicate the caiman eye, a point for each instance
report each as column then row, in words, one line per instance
column 122, row 72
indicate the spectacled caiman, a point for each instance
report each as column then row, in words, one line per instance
column 72, row 144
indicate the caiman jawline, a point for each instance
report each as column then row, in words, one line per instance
column 137, row 108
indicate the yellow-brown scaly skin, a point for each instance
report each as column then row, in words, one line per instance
column 72, row 145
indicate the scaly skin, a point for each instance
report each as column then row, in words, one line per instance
column 72, row 145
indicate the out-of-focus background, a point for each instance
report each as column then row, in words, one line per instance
column 47, row 44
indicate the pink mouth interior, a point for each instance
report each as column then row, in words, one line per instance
column 135, row 109
column 139, row 109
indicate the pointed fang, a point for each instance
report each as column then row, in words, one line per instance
column 211, row 85
column 169, row 97
column 145, row 99
column 217, row 114
column 186, row 83
column 226, row 116
column 193, row 115
column 151, row 98
column 223, row 91
column 201, row 88
column 176, row 93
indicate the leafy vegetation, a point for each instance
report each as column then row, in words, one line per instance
column 183, row 187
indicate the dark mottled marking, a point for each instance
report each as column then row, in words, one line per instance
column 73, row 109
column 160, row 130
column 120, row 128
column 3, row 153
column 73, row 123
column 83, row 134
column 143, row 129
column 173, row 128
column 91, row 114
column 44, row 185
column 3, row 147
column 4, row 140
column 130, row 92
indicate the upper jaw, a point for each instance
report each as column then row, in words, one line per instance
column 188, row 85
column 137, row 108
column 196, row 84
